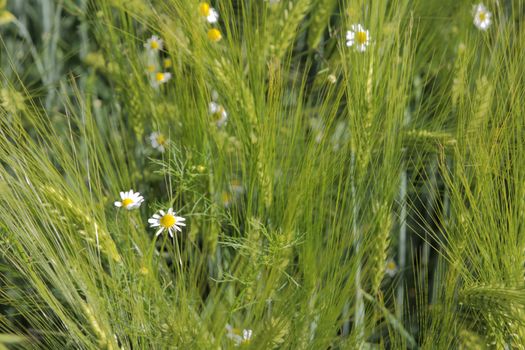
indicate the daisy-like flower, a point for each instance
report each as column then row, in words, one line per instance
column 158, row 141
column 239, row 337
column 205, row 10
column 218, row 113
column 391, row 268
column 482, row 17
column 129, row 200
column 214, row 35
column 358, row 36
column 161, row 78
column 167, row 221
column 154, row 44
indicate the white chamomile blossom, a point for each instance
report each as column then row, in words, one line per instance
column 154, row 44
column 129, row 200
column 219, row 114
column 205, row 10
column 358, row 36
column 391, row 268
column 482, row 17
column 158, row 141
column 239, row 337
column 167, row 221
column 160, row 78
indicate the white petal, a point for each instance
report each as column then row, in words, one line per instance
column 213, row 16
column 159, row 231
column 162, row 212
column 156, row 216
column 118, row 204
column 350, row 35
column 153, row 221
column 213, row 107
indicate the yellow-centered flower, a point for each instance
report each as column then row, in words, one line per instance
column 358, row 36
column 154, row 44
column 158, row 141
column 482, row 17
column 129, row 200
column 167, row 221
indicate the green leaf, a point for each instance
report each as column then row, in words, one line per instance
column 11, row 339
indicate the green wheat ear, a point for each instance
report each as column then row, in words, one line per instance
column 293, row 14
column 321, row 13
column 93, row 232
column 379, row 254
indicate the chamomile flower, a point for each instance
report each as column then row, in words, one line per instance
column 205, row 10
column 482, row 17
column 358, row 36
column 391, row 268
column 158, row 141
column 218, row 113
column 214, row 35
column 167, row 221
column 160, row 78
column 239, row 337
column 129, row 200
column 154, row 44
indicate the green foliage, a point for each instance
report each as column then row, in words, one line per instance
column 303, row 166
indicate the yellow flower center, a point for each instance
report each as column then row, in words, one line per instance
column 167, row 63
column 204, row 9
column 126, row 202
column 391, row 265
column 167, row 221
column 482, row 16
column 360, row 38
column 226, row 198
column 161, row 139
column 150, row 68
column 159, row 76
column 218, row 115
column 214, row 35
column 154, row 44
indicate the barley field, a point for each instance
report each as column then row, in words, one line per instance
column 262, row 174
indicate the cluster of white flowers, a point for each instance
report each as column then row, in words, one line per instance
column 164, row 221
column 359, row 37
column 156, row 73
